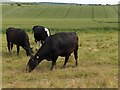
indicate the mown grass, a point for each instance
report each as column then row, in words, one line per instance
column 59, row 11
column 56, row 25
column 97, row 66
column 98, row 55
column 60, row 17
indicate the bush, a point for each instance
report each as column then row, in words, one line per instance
column 18, row 4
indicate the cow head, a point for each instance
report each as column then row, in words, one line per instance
column 32, row 63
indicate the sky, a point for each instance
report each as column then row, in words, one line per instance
column 74, row 1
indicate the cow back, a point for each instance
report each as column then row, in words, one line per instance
column 61, row 43
column 39, row 33
column 16, row 36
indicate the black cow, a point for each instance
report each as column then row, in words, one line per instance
column 59, row 44
column 40, row 34
column 20, row 38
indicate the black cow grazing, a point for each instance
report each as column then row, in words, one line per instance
column 40, row 34
column 59, row 44
column 20, row 38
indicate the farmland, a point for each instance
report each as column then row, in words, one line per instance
column 96, row 27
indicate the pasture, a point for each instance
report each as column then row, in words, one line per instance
column 97, row 57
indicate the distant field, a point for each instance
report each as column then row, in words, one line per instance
column 60, row 17
column 59, row 11
column 96, row 27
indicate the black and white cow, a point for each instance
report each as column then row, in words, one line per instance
column 40, row 34
column 59, row 44
column 19, row 38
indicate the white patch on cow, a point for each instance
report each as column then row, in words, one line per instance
column 37, row 57
column 48, row 33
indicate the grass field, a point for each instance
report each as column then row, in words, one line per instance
column 96, row 27
column 59, row 11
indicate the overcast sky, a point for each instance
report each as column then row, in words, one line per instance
column 74, row 1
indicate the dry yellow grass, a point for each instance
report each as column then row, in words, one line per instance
column 97, row 68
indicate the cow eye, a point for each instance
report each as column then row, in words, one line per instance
column 37, row 57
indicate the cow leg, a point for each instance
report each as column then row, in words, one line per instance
column 11, row 46
column 66, row 60
column 76, row 55
column 53, row 62
column 8, row 44
column 18, row 49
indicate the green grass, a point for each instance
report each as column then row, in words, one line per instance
column 61, row 24
column 59, row 11
column 98, row 55
column 60, row 17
